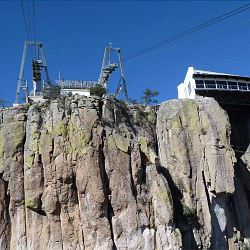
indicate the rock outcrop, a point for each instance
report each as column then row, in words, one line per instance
column 86, row 173
column 195, row 152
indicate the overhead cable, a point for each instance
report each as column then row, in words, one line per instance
column 29, row 19
column 174, row 45
column 25, row 22
column 29, row 22
column 34, row 21
column 34, row 26
column 189, row 31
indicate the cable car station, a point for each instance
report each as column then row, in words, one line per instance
column 43, row 88
column 225, row 88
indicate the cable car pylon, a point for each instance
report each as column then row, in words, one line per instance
column 41, row 88
column 108, row 67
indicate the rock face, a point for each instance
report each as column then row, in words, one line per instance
column 83, row 173
column 195, row 152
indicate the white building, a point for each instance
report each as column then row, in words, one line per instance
column 74, row 87
column 207, row 83
column 67, row 91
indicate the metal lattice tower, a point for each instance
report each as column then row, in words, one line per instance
column 108, row 67
column 38, row 63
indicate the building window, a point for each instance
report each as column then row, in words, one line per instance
column 242, row 85
column 221, row 84
column 210, row 84
column 232, row 85
column 199, row 84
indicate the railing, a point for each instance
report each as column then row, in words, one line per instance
column 75, row 84
column 222, row 85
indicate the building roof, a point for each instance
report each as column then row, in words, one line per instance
column 203, row 73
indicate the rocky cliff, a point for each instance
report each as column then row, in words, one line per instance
column 85, row 173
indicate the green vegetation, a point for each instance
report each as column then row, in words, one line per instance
column 18, row 135
column 166, row 196
column 98, row 90
column 61, row 129
column 79, row 138
column 143, row 143
column 29, row 160
column 31, row 203
column 148, row 97
column 26, row 106
column 188, row 213
column 119, row 141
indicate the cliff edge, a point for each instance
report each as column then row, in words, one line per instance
column 86, row 173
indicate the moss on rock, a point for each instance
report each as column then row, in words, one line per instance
column 122, row 143
column 18, row 134
column 143, row 143
column 119, row 142
column 29, row 160
column 61, row 129
column 31, row 203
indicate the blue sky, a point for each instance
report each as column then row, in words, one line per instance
column 74, row 34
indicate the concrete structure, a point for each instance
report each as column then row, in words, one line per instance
column 36, row 98
column 85, row 92
column 78, row 87
column 214, row 84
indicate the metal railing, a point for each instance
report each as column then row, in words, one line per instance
column 75, row 84
column 52, row 88
column 222, row 85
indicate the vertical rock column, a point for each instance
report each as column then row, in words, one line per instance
column 195, row 152
column 140, row 202
column 12, row 210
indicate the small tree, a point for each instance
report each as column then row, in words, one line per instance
column 148, row 96
column 98, row 90
column 2, row 102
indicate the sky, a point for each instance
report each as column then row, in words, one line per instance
column 74, row 34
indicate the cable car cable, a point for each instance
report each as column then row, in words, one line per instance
column 34, row 24
column 189, row 40
column 34, row 20
column 25, row 23
column 190, row 31
column 28, row 15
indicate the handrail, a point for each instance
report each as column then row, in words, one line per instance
column 77, row 84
